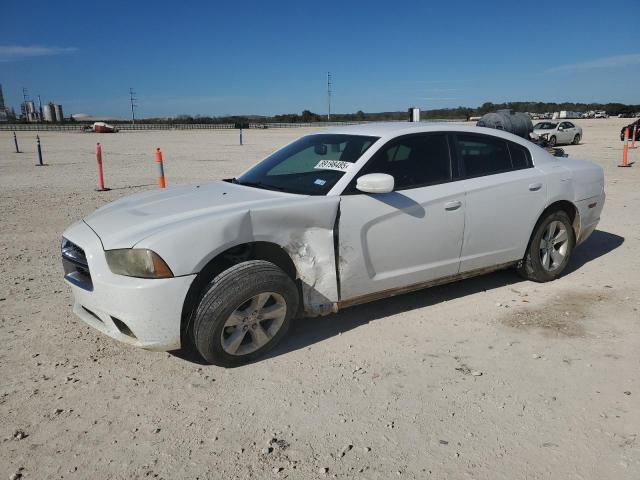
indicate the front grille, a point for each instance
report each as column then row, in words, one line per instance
column 76, row 267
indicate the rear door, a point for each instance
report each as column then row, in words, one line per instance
column 505, row 195
column 408, row 236
column 565, row 132
column 570, row 131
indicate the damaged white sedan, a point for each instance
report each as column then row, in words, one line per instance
column 334, row 219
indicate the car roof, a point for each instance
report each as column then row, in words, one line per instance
column 394, row 129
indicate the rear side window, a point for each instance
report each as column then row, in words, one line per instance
column 413, row 161
column 482, row 155
column 520, row 156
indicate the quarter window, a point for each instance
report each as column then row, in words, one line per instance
column 413, row 161
column 520, row 156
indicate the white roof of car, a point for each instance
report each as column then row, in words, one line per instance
column 394, row 129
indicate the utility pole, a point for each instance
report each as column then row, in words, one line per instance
column 132, row 99
column 40, row 104
column 328, row 96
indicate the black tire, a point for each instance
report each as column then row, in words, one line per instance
column 576, row 139
column 553, row 141
column 531, row 266
column 224, row 295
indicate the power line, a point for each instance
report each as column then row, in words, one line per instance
column 132, row 100
column 328, row 96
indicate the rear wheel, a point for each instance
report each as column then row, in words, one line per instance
column 550, row 248
column 244, row 312
column 576, row 139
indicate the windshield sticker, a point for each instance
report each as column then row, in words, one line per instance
column 320, row 182
column 333, row 165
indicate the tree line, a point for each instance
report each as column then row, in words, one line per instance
column 308, row 116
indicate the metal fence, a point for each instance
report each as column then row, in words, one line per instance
column 79, row 127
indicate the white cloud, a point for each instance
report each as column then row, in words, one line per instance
column 606, row 62
column 16, row 52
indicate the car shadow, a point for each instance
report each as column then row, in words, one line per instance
column 305, row 332
column 598, row 244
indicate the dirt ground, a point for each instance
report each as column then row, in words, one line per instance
column 489, row 378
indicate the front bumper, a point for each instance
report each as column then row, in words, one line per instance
column 141, row 312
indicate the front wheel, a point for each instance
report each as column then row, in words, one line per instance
column 552, row 141
column 550, row 248
column 244, row 312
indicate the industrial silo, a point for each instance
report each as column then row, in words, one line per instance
column 59, row 114
column 49, row 113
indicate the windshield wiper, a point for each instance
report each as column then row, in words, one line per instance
column 259, row 185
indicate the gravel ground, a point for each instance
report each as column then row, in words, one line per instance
column 489, row 378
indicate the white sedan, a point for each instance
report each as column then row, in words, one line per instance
column 557, row 133
column 334, row 219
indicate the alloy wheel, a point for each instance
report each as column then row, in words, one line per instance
column 253, row 323
column 553, row 246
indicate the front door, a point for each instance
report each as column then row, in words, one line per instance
column 411, row 235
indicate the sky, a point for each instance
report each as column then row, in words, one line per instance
column 263, row 57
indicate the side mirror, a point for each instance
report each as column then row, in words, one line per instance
column 560, row 129
column 375, row 183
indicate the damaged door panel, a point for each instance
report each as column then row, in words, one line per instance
column 306, row 232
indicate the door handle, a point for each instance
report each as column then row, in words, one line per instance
column 534, row 187
column 452, row 205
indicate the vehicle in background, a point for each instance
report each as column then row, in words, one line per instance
column 334, row 219
column 569, row 114
column 600, row 114
column 101, row 127
column 558, row 133
column 630, row 127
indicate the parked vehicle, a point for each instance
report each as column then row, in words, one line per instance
column 569, row 114
column 601, row 114
column 630, row 127
column 558, row 133
column 334, row 219
column 101, row 127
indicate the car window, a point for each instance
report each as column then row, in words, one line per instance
column 482, row 155
column 305, row 160
column 413, row 161
column 311, row 165
column 520, row 156
column 568, row 125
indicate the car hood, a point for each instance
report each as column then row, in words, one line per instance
column 540, row 131
column 126, row 222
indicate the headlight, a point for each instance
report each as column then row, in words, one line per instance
column 137, row 262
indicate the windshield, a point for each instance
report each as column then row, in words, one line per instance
column 311, row 165
column 545, row 126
